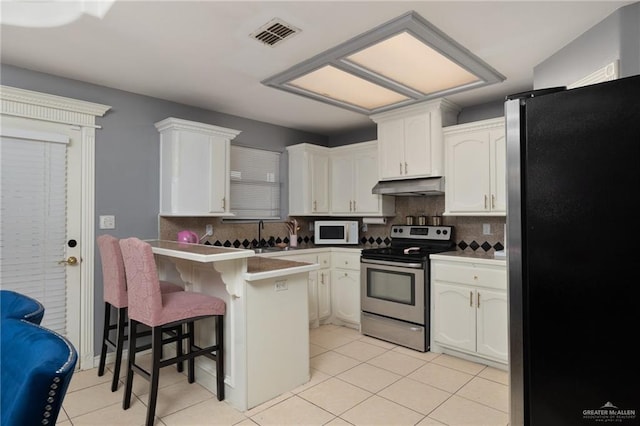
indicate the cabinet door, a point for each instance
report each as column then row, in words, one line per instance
column 324, row 293
column 454, row 316
column 342, row 184
column 219, row 170
column 492, row 320
column 345, row 292
column 467, row 173
column 365, row 169
column 417, row 145
column 498, row 170
column 391, row 149
column 313, row 297
column 320, row 183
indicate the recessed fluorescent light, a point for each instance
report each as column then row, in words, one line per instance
column 403, row 61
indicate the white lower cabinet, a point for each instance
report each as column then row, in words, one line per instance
column 319, row 284
column 469, row 308
column 334, row 289
column 323, row 299
column 345, row 287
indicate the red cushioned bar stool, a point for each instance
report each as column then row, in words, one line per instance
column 159, row 311
column 115, row 296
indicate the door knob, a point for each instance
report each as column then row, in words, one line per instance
column 71, row 260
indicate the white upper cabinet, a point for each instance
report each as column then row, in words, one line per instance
column 410, row 139
column 475, row 168
column 308, row 180
column 194, row 168
column 354, row 172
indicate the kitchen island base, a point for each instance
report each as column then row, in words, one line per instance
column 266, row 325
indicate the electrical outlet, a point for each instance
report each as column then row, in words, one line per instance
column 281, row 285
column 209, row 230
column 108, row 222
column 486, row 229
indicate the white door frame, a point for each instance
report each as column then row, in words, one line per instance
column 40, row 106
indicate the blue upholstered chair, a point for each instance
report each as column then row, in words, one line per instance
column 36, row 365
column 19, row 306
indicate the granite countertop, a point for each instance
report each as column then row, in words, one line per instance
column 259, row 267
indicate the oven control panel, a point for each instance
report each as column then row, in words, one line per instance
column 422, row 232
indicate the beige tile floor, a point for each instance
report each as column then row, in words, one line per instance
column 355, row 380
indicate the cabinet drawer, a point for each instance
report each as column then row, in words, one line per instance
column 324, row 259
column 485, row 276
column 345, row 260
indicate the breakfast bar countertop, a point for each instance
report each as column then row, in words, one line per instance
column 259, row 268
column 197, row 252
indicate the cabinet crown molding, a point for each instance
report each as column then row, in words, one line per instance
column 441, row 103
column 474, row 125
column 172, row 123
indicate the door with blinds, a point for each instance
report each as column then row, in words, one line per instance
column 40, row 223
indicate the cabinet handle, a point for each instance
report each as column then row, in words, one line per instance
column 485, row 201
column 405, row 168
column 322, row 278
column 400, row 167
column 354, row 205
column 478, row 300
column 315, row 205
column 224, row 203
column 493, row 201
column 345, row 274
column 471, row 299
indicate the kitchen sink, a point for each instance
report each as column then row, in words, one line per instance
column 259, row 250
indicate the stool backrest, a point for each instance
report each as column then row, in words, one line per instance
column 145, row 296
column 114, row 280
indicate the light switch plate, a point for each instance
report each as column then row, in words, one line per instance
column 107, row 222
column 486, row 229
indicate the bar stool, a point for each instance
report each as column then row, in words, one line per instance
column 159, row 311
column 115, row 295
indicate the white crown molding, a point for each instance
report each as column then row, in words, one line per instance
column 607, row 73
column 42, row 106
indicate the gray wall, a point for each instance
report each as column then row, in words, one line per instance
column 615, row 37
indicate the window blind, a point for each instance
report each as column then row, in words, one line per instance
column 33, row 222
column 255, row 183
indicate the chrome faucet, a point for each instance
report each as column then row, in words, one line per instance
column 260, row 228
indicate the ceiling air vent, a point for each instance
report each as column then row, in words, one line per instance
column 274, row 32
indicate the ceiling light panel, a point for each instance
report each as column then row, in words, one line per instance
column 408, row 61
column 334, row 83
column 403, row 61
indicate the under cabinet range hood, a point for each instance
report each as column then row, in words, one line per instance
column 410, row 187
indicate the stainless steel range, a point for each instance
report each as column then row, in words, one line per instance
column 395, row 286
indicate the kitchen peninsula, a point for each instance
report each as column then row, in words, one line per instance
column 266, row 324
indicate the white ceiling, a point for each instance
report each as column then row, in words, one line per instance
column 200, row 53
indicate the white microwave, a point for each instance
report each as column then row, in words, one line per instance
column 336, row 232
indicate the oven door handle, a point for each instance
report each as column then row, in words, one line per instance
column 389, row 263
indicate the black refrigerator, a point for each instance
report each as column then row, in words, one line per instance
column 573, row 185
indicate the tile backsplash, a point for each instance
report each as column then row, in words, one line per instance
column 468, row 230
